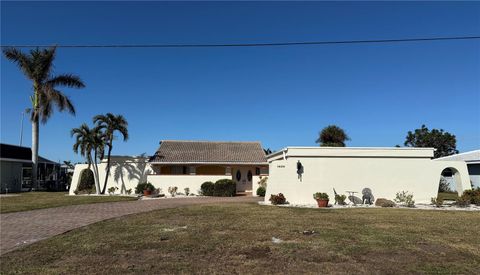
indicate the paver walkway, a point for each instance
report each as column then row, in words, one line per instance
column 22, row 228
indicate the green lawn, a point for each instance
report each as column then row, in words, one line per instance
column 38, row 200
column 237, row 239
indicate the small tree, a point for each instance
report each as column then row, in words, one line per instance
column 333, row 136
column 87, row 141
column 444, row 142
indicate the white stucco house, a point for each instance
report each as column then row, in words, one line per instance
column 298, row 172
column 186, row 164
column 472, row 159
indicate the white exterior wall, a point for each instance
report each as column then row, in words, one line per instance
column 384, row 171
column 183, row 181
column 125, row 173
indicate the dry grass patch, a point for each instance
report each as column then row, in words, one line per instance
column 237, row 238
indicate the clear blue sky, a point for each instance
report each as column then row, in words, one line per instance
column 281, row 96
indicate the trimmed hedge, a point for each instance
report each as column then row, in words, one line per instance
column 225, row 188
column 86, row 183
column 261, row 191
column 207, row 188
column 221, row 188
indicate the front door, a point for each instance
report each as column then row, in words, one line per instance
column 243, row 178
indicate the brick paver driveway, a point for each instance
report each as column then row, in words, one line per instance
column 23, row 228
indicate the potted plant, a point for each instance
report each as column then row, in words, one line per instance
column 321, row 198
column 144, row 187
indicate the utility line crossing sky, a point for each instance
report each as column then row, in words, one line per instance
column 281, row 96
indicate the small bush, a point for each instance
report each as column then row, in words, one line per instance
column 128, row 191
column 225, row 188
column 207, row 188
column 261, row 191
column 473, row 195
column 277, row 199
column 438, row 202
column 320, row 196
column 462, row 201
column 187, row 191
column 144, row 186
column 405, row 198
column 86, row 183
column 340, row 199
column 382, row 202
column 172, row 190
column 111, row 190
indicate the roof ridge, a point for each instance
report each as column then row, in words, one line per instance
column 208, row 141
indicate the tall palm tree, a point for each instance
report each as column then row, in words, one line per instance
column 87, row 141
column 38, row 67
column 111, row 123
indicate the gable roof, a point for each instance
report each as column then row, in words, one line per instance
column 179, row 151
column 19, row 153
column 468, row 157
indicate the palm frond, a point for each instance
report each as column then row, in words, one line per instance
column 45, row 63
column 68, row 80
column 23, row 61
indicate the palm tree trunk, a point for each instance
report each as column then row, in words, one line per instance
column 108, row 167
column 35, row 137
column 96, row 175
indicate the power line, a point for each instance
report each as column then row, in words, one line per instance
column 274, row 44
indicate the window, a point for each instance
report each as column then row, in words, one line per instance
column 238, row 175
column 249, row 175
column 257, row 171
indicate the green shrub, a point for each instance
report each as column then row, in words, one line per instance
column 382, row 202
column 278, row 199
column 144, row 186
column 187, row 191
column 473, row 195
column 261, row 191
column 320, row 196
column 207, row 188
column 340, row 199
column 86, row 183
column 111, row 190
column 438, row 202
column 128, row 191
column 225, row 188
column 405, row 198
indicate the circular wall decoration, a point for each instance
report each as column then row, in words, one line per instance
column 238, row 175
column 249, row 175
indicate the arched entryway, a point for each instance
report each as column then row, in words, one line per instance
column 449, row 184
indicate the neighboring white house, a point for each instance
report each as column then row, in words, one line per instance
column 472, row 159
column 298, row 172
column 186, row 164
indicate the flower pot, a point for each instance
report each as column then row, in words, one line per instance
column 147, row 192
column 322, row 203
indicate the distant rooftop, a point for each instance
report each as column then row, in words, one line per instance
column 224, row 152
column 19, row 153
column 469, row 157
